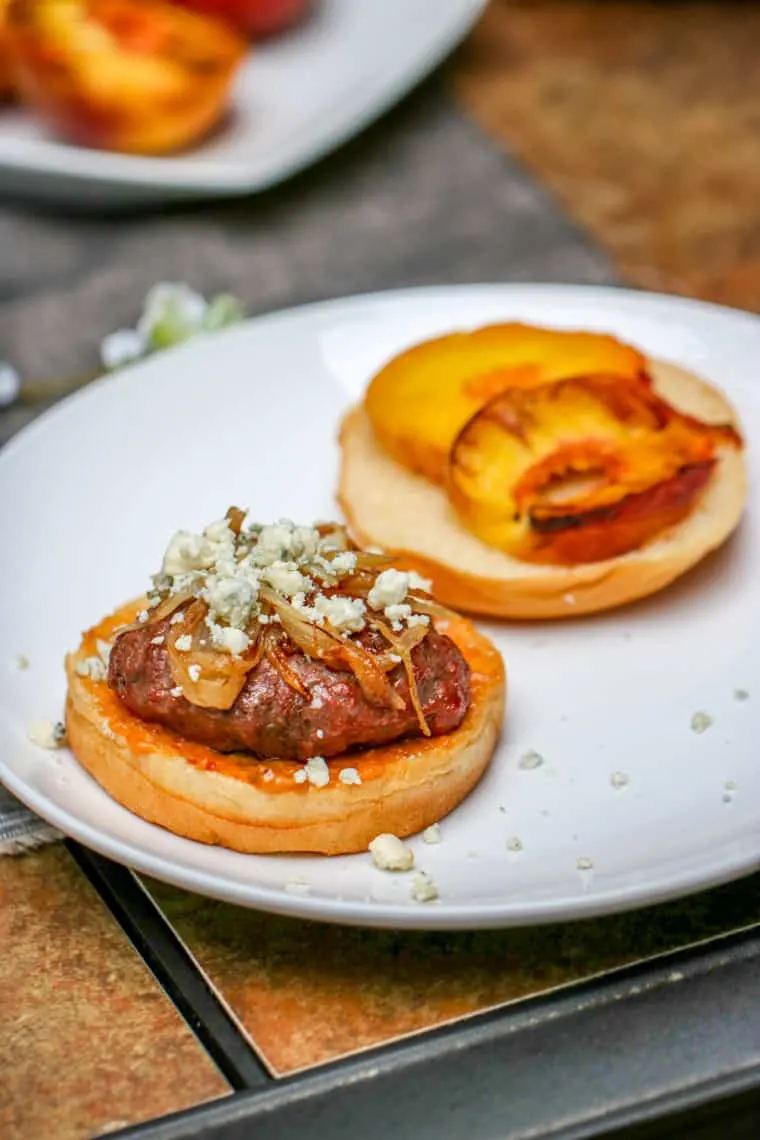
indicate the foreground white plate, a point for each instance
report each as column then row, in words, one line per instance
column 297, row 98
column 90, row 492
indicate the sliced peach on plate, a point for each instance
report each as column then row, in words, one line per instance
column 421, row 399
column 6, row 71
column 142, row 78
column 257, row 18
column 580, row 470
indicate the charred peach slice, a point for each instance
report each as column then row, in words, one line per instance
column 257, row 18
column 580, row 470
column 420, row 400
column 145, row 78
column 6, row 74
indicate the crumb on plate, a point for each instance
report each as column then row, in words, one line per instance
column 389, row 853
column 423, row 888
column 47, row 734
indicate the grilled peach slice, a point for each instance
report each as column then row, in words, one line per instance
column 580, row 470
column 421, row 399
column 257, row 18
column 143, row 78
column 6, row 74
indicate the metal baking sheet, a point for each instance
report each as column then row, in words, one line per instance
column 655, row 1051
column 304, row 994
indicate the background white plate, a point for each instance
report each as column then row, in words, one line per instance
column 298, row 97
column 91, row 491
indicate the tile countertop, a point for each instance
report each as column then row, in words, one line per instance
column 88, row 1042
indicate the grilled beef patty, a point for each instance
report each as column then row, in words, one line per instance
column 270, row 719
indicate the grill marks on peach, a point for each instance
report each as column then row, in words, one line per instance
column 581, row 469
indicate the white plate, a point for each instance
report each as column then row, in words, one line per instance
column 298, row 97
column 91, row 491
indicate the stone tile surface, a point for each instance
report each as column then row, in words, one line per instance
column 88, row 1041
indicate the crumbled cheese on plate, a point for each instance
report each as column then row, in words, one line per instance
column 700, row 722
column 530, row 760
column 423, row 888
column 47, row 734
column 390, row 853
column 296, row 886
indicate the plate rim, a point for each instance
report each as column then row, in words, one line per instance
column 376, row 914
column 159, row 177
column 440, row 915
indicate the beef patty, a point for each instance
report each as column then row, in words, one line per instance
column 270, row 719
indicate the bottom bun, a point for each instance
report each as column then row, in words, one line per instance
column 256, row 806
column 389, row 507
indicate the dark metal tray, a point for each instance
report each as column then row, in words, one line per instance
column 668, row 1047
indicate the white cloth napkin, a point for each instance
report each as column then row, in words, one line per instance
column 20, row 829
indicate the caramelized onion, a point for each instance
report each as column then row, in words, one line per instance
column 337, row 653
column 222, row 676
column 426, row 605
column 309, row 638
column 367, row 561
column 357, row 584
column 399, row 645
column 235, row 518
column 169, row 605
column 409, row 639
column 369, row 673
column 277, row 657
column 162, row 610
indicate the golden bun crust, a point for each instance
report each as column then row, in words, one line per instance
column 389, row 507
column 232, row 801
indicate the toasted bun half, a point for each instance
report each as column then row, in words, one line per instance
column 256, row 806
column 387, row 506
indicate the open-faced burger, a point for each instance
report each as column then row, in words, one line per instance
column 280, row 690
